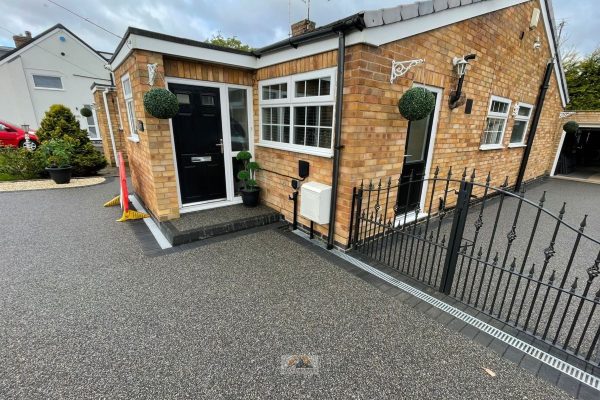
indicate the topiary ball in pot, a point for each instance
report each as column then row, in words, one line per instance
column 416, row 103
column 161, row 103
column 85, row 112
column 571, row 127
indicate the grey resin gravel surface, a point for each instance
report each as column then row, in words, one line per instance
column 85, row 314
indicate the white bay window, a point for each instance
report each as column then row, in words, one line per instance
column 300, row 119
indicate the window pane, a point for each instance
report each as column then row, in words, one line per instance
column 312, row 87
column 274, row 92
column 518, row 132
column 47, row 82
column 325, row 88
column 524, row 111
column 266, row 115
column 326, row 116
column 311, row 116
column 493, row 130
column 311, row 137
column 266, row 132
column 238, row 119
column 300, row 116
column 127, row 87
column 300, row 88
column 325, row 138
column 286, row 134
column 499, row 107
column 238, row 165
column 299, row 135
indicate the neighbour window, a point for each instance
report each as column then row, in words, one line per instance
column 297, row 112
column 517, row 137
column 128, row 95
column 47, row 82
column 495, row 123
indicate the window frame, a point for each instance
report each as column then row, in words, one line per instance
column 130, row 113
column 522, row 118
column 95, row 126
column 497, row 115
column 292, row 102
column 46, row 75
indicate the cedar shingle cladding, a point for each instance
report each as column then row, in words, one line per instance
column 373, row 132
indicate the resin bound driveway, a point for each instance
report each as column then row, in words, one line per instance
column 85, row 313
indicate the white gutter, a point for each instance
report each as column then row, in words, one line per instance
column 110, row 129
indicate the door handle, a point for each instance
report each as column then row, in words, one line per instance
column 220, row 144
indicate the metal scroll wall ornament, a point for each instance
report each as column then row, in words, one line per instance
column 152, row 72
column 399, row 68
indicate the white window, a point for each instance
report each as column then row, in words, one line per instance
column 297, row 112
column 495, row 124
column 92, row 125
column 129, row 108
column 519, row 130
column 47, row 82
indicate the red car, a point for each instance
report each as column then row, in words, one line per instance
column 12, row 135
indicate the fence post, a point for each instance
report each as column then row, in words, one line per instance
column 357, row 212
column 351, row 217
column 456, row 234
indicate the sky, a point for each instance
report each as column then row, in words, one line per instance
column 256, row 22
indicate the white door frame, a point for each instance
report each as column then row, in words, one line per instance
column 227, row 149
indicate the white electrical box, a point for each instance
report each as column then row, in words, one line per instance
column 315, row 202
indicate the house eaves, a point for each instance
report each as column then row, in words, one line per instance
column 374, row 27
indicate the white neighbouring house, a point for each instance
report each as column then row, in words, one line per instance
column 54, row 67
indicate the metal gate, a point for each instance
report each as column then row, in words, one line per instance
column 490, row 248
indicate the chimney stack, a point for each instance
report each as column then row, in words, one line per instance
column 303, row 26
column 21, row 40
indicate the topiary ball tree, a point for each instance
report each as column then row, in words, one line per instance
column 416, row 103
column 85, row 112
column 571, row 127
column 161, row 103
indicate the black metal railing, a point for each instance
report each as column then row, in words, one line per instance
column 490, row 248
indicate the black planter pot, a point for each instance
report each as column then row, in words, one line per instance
column 250, row 197
column 61, row 175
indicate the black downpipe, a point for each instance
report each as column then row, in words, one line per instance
column 537, row 113
column 337, row 147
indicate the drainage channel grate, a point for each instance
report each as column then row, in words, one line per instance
column 526, row 348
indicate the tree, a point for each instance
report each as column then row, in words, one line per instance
column 60, row 123
column 230, row 42
column 583, row 80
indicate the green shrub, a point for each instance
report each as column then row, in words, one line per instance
column 20, row 163
column 60, row 123
column 416, row 103
column 56, row 153
column 161, row 103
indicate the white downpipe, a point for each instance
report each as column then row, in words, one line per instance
column 110, row 129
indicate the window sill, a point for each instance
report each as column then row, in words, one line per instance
column 296, row 149
column 48, row 88
column 491, row 147
column 516, row 145
column 133, row 139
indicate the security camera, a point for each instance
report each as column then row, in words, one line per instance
column 108, row 67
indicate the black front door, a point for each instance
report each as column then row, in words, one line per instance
column 199, row 149
column 416, row 150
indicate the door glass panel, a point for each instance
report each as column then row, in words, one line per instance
column 238, row 119
column 417, row 140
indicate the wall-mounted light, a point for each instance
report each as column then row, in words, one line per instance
column 140, row 125
column 460, row 67
column 537, row 44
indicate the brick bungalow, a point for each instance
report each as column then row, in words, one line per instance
column 294, row 100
